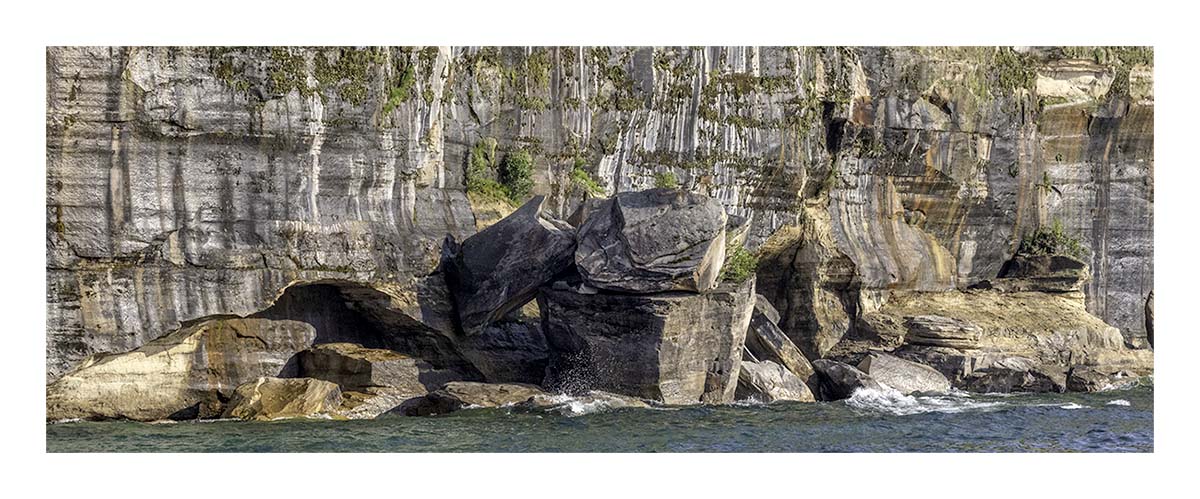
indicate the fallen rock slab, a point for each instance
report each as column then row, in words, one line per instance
column 268, row 399
column 767, row 381
column 183, row 375
column 937, row 331
column 653, row 241
column 500, row 268
column 905, row 376
column 767, row 342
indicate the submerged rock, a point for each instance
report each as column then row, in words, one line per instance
column 268, row 398
column 584, row 403
column 182, row 375
column 653, row 241
column 905, row 376
column 500, row 268
column 1017, row 374
column 677, row 348
column 767, row 381
column 458, row 395
column 838, row 381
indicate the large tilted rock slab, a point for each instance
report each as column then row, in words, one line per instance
column 458, row 395
column 500, row 268
column 269, row 398
column 373, row 381
column 1045, row 273
column 905, row 376
column 766, row 341
column 839, row 381
column 677, row 348
column 182, row 375
column 653, row 241
column 767, row 381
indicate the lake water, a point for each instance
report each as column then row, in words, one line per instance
column 1112, row 421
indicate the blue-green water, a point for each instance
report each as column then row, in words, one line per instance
column 1114, row 421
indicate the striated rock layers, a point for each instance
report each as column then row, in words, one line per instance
column 191, row 182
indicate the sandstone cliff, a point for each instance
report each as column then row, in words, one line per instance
column 192, row 182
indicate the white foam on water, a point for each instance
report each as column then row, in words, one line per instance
column 891, row 401
column 591, row 403
column 1072, row 406
column 1120, row 402
column 67, row 420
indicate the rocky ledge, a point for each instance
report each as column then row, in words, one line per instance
column 645, row 302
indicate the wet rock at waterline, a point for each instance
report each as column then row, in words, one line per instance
column 1017, row 374
column 837, row 381
column 653, row 241
column 584, row 402
column 674, row 347
column 767, row 381
column 268, row 398
column 905, row 376
column 500, row 268
column 458, row 395
column 183, row 375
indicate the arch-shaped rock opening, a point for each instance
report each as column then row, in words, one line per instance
column 353, row 312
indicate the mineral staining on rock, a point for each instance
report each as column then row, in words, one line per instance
column 986, row 212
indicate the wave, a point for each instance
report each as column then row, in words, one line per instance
column 890, row 401
column 589, row 403
column 1120, row 402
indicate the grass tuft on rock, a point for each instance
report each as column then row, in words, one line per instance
column 583, row 180
column 739, row 265
column 1052, row 240
column 666, row 180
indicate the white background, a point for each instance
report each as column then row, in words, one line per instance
column 29, row 27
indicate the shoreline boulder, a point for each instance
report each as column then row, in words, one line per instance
column 500, row 268
column 769, row 382
column 675, row 347
column 183, row 375
column 372, row 380
column 903, row 375
column 269, row 398
column 653, row 241
column 838, row 381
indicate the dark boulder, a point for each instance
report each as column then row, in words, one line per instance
column 653, row 241
column 675, row 347
column 837, row 381
column 508, row 352
column 1017, row 374
column 500, row 268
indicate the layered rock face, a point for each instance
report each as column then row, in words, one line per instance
column 186, row 183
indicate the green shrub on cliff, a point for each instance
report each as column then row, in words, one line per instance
column 1052, row 240
column 739, row 264
column 480, row 164
column 666, row 181
column 583, row 180
column 516, row 175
